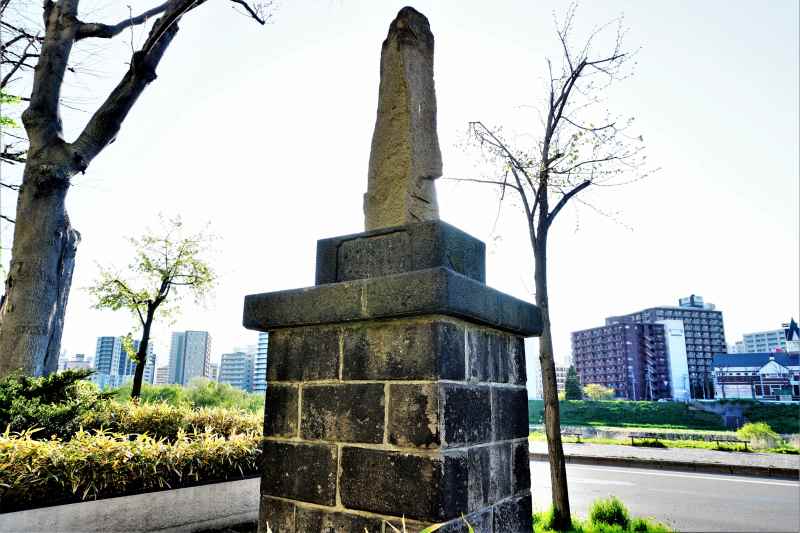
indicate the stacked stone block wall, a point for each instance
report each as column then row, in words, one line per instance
column 425, row 415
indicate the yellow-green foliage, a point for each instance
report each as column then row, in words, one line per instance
column 759, row 434
column 103, row 464
column 163, row 420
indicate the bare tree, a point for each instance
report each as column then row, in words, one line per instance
column 578, row 147
column 44, row 246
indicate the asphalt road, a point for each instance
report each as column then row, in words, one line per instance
column 684, row 500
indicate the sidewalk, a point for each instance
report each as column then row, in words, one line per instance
column 708, row 461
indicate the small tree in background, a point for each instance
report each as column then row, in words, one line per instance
column 572, row 386
column 597, row 392
column 167, row 266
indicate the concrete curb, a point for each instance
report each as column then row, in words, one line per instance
column 707, row 468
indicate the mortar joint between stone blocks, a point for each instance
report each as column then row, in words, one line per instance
column 299, row 409
column 341, row 354
column 338, row 475
column 386, row 392
column 466, row 355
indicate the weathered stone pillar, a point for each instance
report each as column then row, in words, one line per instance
column 396, row 388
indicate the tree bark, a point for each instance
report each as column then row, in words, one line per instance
column 43, row 254
column 552, row 419
column 141, row 356
column 43, row 257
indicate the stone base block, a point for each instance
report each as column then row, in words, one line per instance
column 396, row 390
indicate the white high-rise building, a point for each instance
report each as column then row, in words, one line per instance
column 260, row 363
column 764, row 341
column 189, row 356
column 162, row 375
column 678, row 362
column 236, row 369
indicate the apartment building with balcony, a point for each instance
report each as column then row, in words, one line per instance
column 629, row 358
column 704, row 336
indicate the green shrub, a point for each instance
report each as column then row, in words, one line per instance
column 104, row 464
column 200, row 393
column 605, row 516
column 161, row 420
column 760, row 435
column 56, row 403
column 782, row 418
column 610, row 511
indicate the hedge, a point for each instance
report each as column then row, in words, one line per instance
column 162, row 420
column 102, row 464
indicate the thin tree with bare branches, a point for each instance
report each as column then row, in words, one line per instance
column 44, row 246
column 578, row 147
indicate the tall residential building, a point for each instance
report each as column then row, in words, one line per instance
column 162, row 375
column 107, row 354
column 113, row 365
column 127, row 366
column 704, row 333
column 189, row 356
column 214, row 373
column 236, row 369
column 762, row 342
column 260, row 363
column 629, row 358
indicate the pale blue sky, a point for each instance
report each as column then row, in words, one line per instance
column 265, row 132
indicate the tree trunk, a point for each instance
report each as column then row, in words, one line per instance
column 40, row 274
column 552, row 420
column 141, row 357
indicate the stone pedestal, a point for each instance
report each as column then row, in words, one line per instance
column 396, row 388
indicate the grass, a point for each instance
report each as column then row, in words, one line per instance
column 605, row 516
column 665, row 415
column 666, row 443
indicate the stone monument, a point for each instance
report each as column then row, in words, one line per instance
column 396, row 384
column 405, row 156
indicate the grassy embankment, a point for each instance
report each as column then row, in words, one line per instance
column 665, row 415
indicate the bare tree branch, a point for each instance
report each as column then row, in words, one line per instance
column 564, row 199
column 107, row 31
column 251, row 11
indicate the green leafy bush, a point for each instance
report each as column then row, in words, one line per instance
column 199, row 393
column 760, row 435
column 104, row 464
column 610, row 511
column 56, row 403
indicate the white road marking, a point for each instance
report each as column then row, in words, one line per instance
column 600, row 481
column 690, row 476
